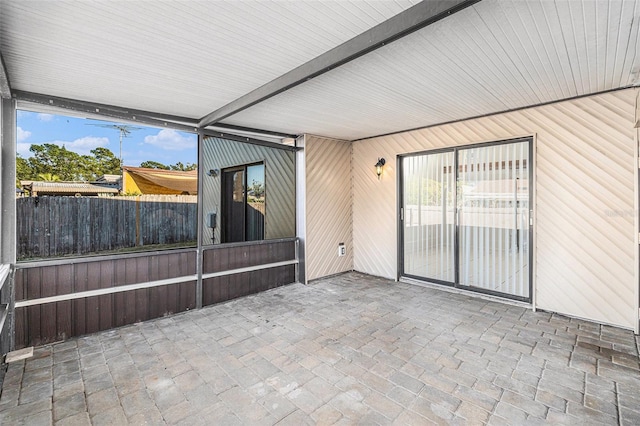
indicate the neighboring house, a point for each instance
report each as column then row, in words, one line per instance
column 139, row 180
column 36, row 188
column 109, row 181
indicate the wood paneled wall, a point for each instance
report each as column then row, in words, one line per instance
column 55, row 321
column 221, row 258
column 48, row 322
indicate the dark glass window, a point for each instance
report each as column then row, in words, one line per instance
column 243, row 203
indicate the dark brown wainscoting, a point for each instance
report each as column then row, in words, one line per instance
column 50, row 321
column 224, row 258
column 55, row 321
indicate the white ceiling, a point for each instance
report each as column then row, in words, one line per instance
column 491, row 57
column 189, row 58
column 183, row 58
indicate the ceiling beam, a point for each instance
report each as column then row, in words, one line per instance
column 5, row 87
column 413, row 19
column 117, row 113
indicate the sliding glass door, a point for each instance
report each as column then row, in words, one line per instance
column 465, row 217
column 493, row 214
column 429, row 206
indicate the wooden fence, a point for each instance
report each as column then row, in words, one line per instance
column 59, row 226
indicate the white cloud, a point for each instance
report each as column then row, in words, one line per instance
column 86, row 143
column 23, row 150
column 172, row 140
column 45, row 117
column 82, row 146
column 22, row 134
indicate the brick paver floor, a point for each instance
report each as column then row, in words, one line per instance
column 351, row 349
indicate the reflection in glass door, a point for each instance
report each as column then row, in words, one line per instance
column 429, row 227
column 486, row 245
column 493, row 214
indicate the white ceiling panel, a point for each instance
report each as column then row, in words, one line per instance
column 189, row 58
column 183, row 58
column 491, row 57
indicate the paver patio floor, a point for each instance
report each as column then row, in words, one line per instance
column 351, row 349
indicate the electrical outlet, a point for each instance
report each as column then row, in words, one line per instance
column 342, row 250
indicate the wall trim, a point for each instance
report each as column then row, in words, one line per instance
column 249, row 269
column 148, row 284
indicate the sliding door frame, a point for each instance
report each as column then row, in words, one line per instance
column 400, row 215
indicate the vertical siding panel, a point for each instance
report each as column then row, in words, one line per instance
column 106, row 309
column 64, row 319
column 79, row 305
column 21, row 324
column 177, row 269
column 121, row 300
column 209, row 291
column 187, row 292
column 20, row 313
column 93, row 303
column 221, row 263
column 33, row 291
column 156, row 302
column 143, row 296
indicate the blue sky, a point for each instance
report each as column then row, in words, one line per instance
column 165, row 146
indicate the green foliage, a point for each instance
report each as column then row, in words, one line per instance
column 106, row 163
column 48, row 177
column 53, row 160
column 178, row 166
column 23, row 170
column 153, row 165
column 255, row 192
column 183, row 167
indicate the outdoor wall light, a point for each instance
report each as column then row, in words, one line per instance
column 379, row 166
column 213, row 172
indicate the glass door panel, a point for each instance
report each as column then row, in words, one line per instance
column 493, row 218
column 233, row 201
column 428, row 209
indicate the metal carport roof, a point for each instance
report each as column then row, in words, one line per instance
column 190, row 59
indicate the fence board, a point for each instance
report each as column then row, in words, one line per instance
column 60, row 226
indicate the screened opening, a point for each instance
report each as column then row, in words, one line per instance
column 248, row 191
column 91, row 187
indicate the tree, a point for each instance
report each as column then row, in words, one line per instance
column 57, row 160
column 54, row 160
column 178, row 166
column 23, row 170
column 105, row 162
column 154, row 165
column 184, row 168
column 48, row 177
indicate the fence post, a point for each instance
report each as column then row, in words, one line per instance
column 138, row 238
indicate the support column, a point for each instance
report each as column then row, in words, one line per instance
column 7, row 222
column 301, row 208
column 200, row 226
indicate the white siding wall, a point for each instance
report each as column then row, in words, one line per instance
column 329, row 206
column 584, row 166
